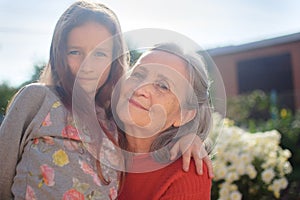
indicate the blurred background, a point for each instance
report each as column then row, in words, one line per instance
column 255, row 45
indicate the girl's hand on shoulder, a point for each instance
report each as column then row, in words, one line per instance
column 192, row 146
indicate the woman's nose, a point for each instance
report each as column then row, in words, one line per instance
column 145, row 90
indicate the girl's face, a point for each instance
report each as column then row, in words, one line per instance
column 89, row 55
column 151, row 97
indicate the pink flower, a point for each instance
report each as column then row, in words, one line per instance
column 47, row 120
column 88, row 170
column 70, row 132
column 48, row 175
column 71, row 145
column 73, row 194
column 30, row 195
column 113, row 193
column 48, row 140
column 35, row 141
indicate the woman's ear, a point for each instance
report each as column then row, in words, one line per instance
column 187, row 116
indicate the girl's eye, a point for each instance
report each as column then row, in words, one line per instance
column 99, row 54
column 74, row 52
column 162, row 85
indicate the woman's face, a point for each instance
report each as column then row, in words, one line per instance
column 152, row 94
column 89, row 54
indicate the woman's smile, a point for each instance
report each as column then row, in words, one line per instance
column 137, row 104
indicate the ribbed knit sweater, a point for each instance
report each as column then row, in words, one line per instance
column 169, row 182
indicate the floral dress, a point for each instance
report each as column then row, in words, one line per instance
column 53, row 162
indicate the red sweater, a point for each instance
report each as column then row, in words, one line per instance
column 170, row 182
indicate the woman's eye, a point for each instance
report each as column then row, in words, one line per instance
column 137, row 75
column 162, row 85
column 74, row 52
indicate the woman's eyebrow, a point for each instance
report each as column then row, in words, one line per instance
column 163, row 77
column 160, row 75
column 141, row 67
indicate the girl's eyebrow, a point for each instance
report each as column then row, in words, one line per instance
column 105, row 45
column 73, row 47
column 102, row 49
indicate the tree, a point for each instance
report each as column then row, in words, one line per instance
column 134, row 56
column 35, row 76
column 6, row 93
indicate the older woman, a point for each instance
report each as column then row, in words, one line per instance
column 164, row 97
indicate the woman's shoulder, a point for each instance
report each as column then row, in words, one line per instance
column 175, row 174
column 177, row 165
column 191, row 177
column 179, row 184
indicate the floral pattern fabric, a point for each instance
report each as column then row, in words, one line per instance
column 55, row 163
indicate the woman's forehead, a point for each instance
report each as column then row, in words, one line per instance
column 164, row 61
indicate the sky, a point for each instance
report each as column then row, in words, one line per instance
column 26, row 27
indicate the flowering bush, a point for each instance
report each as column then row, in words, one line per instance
column 248, row 165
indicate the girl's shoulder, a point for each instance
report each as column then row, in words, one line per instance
column 35, row 91
column 37, row 88
column 32, row 96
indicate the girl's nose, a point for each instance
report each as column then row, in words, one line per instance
column 87, row 63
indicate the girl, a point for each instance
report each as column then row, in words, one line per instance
column 45, row 157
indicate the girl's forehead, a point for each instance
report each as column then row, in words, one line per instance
column 90, row 35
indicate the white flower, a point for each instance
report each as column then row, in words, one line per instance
column 283, row 183
column 287, row 167
column 233, row 187
column 240, row 168
column 239, row 154
column 235, row 195
column 231, row 176
column 267, row 175
column 220, row 171
column 224, row 191
column 251, row 171
column 271, row 162
column 286, row 153
column 246, row 158
column 276, row 186
column 233, row 156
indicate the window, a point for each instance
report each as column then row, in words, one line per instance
column 267, row 74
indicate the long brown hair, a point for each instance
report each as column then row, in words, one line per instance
column 57, row 72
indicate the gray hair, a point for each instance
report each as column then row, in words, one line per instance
column 199, row 99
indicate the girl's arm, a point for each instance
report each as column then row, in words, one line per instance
column 14, row 132
column 192, row 146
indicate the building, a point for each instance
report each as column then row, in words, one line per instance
column 269, row 65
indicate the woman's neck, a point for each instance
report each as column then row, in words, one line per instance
column 137, row 143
